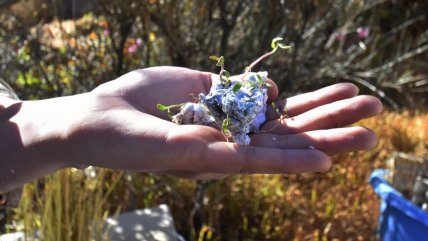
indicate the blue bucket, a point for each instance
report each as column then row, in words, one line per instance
column 399, row 219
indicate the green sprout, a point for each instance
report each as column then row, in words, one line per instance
column 276, row 44
column 226, row 82
column 168, row 108
column 260, row 79
column 225, row 126
column 225, row 75
column 251, row 84
column 237, row 87
column 220, row 62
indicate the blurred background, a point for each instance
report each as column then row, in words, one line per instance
column 54, row 48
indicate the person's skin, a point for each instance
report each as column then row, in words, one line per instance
column 118, row 126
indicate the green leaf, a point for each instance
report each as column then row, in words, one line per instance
column 237, row 87
column 162, row 107
column 225, row 78
column 275, row 41
column 283, row 46
column 268, row 85
column 276, row 44
column 220, row 60
column 213, row 57
column 251, row 84
column 261, row 82
column 227, row 75
column 225, row 125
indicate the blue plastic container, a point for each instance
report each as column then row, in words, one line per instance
column 399, row 219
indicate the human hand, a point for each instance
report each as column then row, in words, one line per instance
column 118, row 126
column 301, row 143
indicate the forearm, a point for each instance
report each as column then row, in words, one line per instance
column 32, row 139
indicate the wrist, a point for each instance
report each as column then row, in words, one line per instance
column 45, row 127
column 21, row 160
column 34, row 138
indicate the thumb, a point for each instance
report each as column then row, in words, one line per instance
column 272, row 91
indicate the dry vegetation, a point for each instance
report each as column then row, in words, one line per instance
column 73, row 56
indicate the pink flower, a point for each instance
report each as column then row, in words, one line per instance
column 340, row 36
column 133, row 48
column 363, row 32
column 106, row 32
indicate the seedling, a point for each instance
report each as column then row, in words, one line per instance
column 168, row 108
column 275, row 45
column 236, row 106
column 225, row 126
column 220, row 62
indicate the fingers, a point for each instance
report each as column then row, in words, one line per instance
column 194, row 175
column 272, row 91
column 334, row 141
column 304, row 102
column 229, row 158
column 337, row 114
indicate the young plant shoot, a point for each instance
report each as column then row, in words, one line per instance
column 236, row 105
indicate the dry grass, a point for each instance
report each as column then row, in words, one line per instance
column 68, row 205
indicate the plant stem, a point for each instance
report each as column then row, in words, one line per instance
column 248, row 69
column 221, row 76
column 175, row 106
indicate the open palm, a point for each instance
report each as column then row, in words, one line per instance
column 125, row 130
